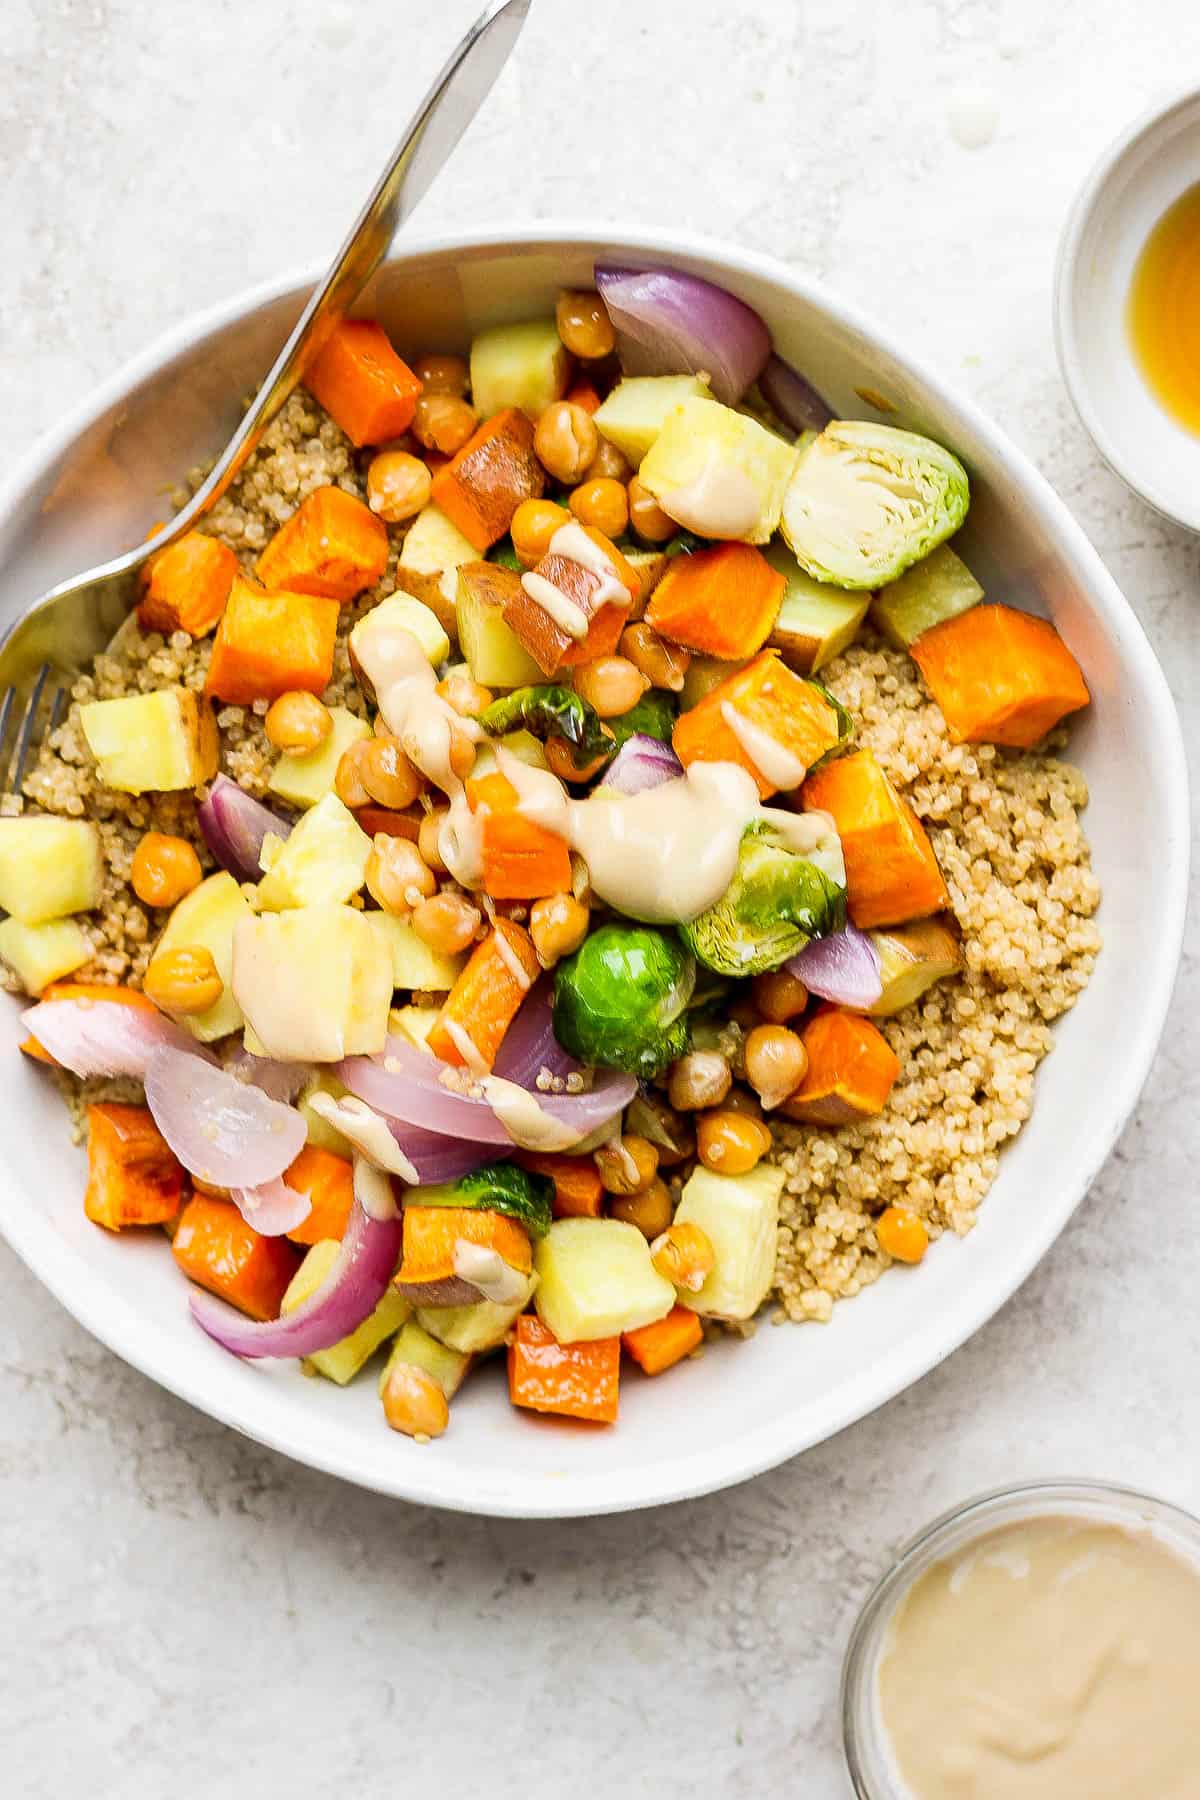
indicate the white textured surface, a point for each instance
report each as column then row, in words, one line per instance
column 187, row 1613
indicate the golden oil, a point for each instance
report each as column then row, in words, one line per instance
column 1164, row 310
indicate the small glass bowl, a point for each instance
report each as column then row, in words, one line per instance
column 872, row 1774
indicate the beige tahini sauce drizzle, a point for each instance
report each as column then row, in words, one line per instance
column 1056, row 1659
column 526, row 1122
column 720, row 501
column 572, row 542
column 779, row 765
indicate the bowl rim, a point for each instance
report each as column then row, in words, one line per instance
column 430, row 1480
column 1066, row 270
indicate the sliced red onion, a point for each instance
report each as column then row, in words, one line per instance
column 281, row 1080
column 529, row 1044
column 419, row 1158
column 642, row 762
column 843, row 968
column 437, row 1158
column 220, row 1128
column 795, row 400
column 234, row 825
column 349, row 1294
column 669, row 323
column 404, row 1084
column 273, row 1208
column 104, row 1037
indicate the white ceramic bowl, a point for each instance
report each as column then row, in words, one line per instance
column 96, row 484
column 1139, row 176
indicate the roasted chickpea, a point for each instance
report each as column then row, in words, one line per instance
column 427, row 837
column 297, row 722
column 603, row 504
column 608, row 464
column 701, row 1078
column 610, row 684
column 164, row 869
column 442, row 374
column 466, row 695
column 583, row 324
column 558, row 925
column 398, row 877
column 729, row 1143
column 627, row 1165
column 779, row 996
column 533, row 525
column 348, row 782
column 776, row 1063
column 565, row 441
column 446, row 922
column 462, row 754
column 647, row 517
column 560, row 759
column 414, row 1403
column 443, row 422
column 684, row 1254
column 387, row 774
column 901, row 1235
column 664, row 665
column 650, row 1209
column 397, row 486
column 184, row 980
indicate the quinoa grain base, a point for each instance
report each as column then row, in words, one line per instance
column 1005, row 827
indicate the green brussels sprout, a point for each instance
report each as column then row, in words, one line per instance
column 551, row 711
column 867, row 501
column 504, row 554
column 498, row 1187
column 653, row 716
column 620, row 1000
column 776, row 903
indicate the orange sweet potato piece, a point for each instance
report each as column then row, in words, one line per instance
column 427, row 1275
column 328, row 1180
column 770, row 699
column 521, row 859
column 584, row 394
column 363, row 385
column 892, row 873
column 84, row 990
column 720, row 602
column 549, row 645
column 578, row 1381
column 215, row 1247
column 133, row 1177
column 1000, row 676
column 483, row 1001
column 185, row 587
column 331, row 545
column 482, row 486
column 268, row 644
column 578, row 1191
column 667, row 1341
column 851, row 1070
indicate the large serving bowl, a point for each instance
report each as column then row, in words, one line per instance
column 96, row 485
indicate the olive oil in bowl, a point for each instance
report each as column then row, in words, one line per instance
column 1164, row 310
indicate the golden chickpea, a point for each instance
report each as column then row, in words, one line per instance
column 741, row 1100
column 684, row 1254
column 184, row 980
column 398, row 877
column 164, row 869
column 462, row 754
column 776, row 1063
column 414, row 1403
column 728, row 1143
column 465, row 695
column 901, row 1235
column 602, row 503
column 583, row 324
column 650, row 1209
column 664, row 665
column 628, row 1165
column 608, row 464
column 387, row 774
column 558, row 925
column 701, row 1078
column 534, row 524
column 443, row 422
column 348, row 783
column 779, row 996
column 610, row 684
column 565, row 441
column 442, row 374
column 397, row 486
column 446, row 922
column 297, row 722
column 647, row 517
column 560, row 760
column 427, row 837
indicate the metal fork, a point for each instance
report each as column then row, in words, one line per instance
column 64, row 630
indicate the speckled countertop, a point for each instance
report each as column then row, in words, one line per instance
column 187, row 1613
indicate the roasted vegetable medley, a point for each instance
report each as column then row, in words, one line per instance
column 468, row 1032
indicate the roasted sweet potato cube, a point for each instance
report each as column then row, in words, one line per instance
column 185, row 587
column 362, row 383
column 429, row 1272
column 133, row 1177
column 1000, row 676
column 268, row 644
column 892, row 873
column 332, row 545
column 851, row 1070
column 543, row 636
column 215, row 1247
column 481, row 487
column 577, row 1381
column 763, row 707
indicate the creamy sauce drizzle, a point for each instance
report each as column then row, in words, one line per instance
column 367, row 1131
column 373, row 1190
column 526, row 1123
column 1052, row 1658
column 572, row 543
column 562, row 609
column 512, row 963
column 465, row 1044
column 773, row 760
column 487, row 1270
column 720, row 501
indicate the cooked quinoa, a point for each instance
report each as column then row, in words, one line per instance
column 1005, row 827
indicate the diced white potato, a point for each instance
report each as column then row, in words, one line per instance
column 315, row 983
column 400, row 612
column 637, row 409
column 321, row 1134
column 303, row 780
column 342, row 1361
column 40, row 954
column 324, row 859
column 719, row 473
column 524, row 365
column 49, row 867
column 815, row 622
column 481, row 1326
column 596, row 1280
column 152, row 743
column 414, row 964
column 419, row 1348
column 740, row 1213
column 414, row 1023
column 937, row 588
column 206, row 918
column 495, row 654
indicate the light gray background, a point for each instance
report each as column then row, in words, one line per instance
column 182, row 1612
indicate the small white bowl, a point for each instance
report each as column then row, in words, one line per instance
column 1143, row 173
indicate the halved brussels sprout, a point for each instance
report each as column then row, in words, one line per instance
column 777, row 901
column 867, row 501
column 620, row 1000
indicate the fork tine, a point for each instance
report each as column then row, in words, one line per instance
column 25, row 732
